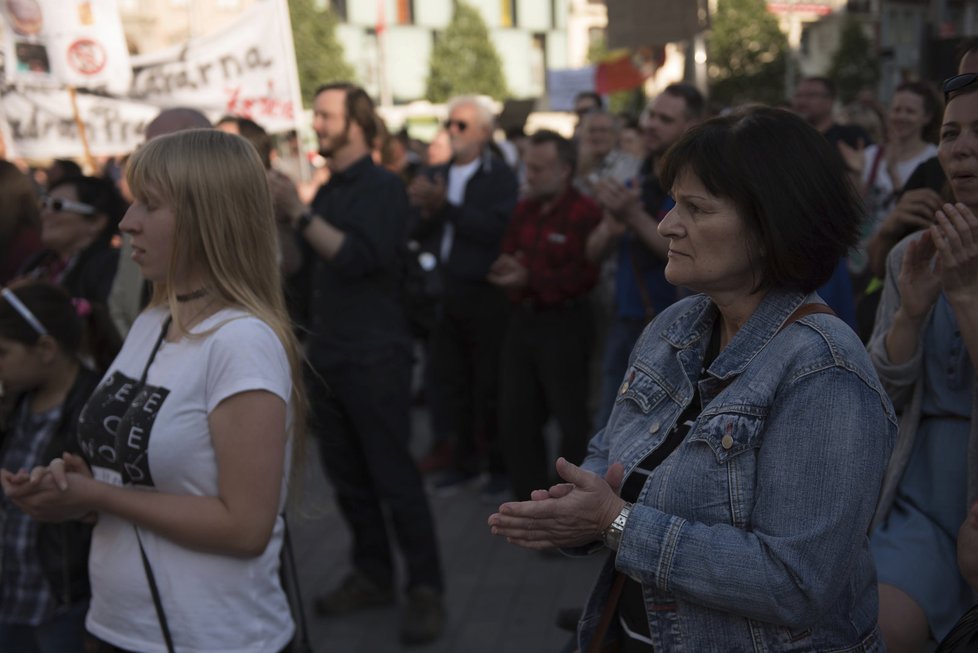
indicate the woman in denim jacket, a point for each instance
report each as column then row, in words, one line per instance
column 737, row 475
column 925, row 346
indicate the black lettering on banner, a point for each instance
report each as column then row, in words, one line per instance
column 116, row 425
column 170, row 77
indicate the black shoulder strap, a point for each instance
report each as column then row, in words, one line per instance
column 160, row 614
column 150, row 577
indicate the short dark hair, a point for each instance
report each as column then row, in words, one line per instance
column 802, row 212
column 255, row 134
column 932, row 105
column 51, row 306
column 102, row 194
column 593, row 95
column 695, row 102
column 566, row 151
column 827, row 83
column 360, row 109
column 92, row 335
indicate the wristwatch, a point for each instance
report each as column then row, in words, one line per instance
column 303, row 222
column 612, row 535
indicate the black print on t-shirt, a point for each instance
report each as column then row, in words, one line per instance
column 116, row 424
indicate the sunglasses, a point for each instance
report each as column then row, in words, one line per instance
column 461, row 124
column 958, row 83
column 57, row 204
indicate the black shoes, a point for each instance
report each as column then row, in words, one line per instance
column 356, row 592
column 424, row 616
column 422, row 621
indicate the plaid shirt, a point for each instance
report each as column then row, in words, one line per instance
column 550, row 244
column 25, row 597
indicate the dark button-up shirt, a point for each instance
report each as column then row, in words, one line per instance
column 354, row 302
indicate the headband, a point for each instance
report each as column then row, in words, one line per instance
column 24, row 312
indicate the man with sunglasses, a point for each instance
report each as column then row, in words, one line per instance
column 464, row 207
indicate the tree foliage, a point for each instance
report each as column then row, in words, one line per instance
column 854, row 65
column 464, row 60
column 318, row 53
column 748, row 54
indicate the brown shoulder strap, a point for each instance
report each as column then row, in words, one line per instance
column 803, row 311
column 608, row 613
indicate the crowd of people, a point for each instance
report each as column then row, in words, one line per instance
column 687, row 298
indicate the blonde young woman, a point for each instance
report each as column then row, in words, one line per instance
column 187, row 437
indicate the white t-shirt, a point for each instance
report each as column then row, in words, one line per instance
column 213, row 603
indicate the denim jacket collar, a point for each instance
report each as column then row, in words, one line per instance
column 692, row 329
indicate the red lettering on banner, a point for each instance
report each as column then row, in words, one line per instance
column 258, row 106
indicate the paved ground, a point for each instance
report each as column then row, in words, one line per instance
column 500, row 598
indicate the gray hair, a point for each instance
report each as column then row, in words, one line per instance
column 486, row 117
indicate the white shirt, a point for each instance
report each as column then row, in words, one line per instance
column 213, row 603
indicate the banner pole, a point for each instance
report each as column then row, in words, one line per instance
column 89, row 159
column 298, row 116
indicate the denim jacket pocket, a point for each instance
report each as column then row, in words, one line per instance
column 640, row 388
column 729, row 433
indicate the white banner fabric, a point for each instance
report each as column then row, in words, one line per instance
column 58, row 43
column 41, row 123
column 243, row 69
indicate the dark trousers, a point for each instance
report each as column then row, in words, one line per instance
column 465, row 355
column 362, row 417
column 544, row 372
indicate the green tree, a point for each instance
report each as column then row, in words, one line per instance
column 854, row 65
column 464, row 60
column 318, row 53
column 748, row 54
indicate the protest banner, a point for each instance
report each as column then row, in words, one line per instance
column 245, row 69
column 565, row 83
column 58, row 44
column 41, row 123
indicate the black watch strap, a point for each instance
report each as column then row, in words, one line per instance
column 303, row 222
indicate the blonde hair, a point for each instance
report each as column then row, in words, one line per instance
column 224, row 230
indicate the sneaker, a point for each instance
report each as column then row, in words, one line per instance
column 424, row 616
column 496, row 490
column 439, row 457
column 356, row 592
column 450, row 482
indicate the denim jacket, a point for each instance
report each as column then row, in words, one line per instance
column 752, row 534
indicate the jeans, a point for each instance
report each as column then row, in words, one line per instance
column 63, row 633
column 362, row 419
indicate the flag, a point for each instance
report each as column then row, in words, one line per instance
column 617, row 72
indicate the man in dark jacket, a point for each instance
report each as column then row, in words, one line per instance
column 465, row 206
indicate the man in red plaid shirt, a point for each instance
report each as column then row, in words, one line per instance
column 544, row 269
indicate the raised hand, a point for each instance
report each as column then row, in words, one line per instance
column 955, row 237
column 918, row 281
